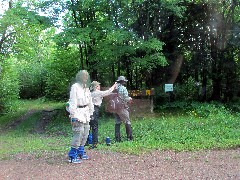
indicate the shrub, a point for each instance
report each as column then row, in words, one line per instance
column 9, row 86
column 60, row 73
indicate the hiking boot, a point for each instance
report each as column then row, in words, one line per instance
column 93, row 146
column 117, row 133
column 129, row 132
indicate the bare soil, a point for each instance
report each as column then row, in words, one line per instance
column 214, row 164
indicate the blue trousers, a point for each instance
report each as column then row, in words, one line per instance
column 94, row 124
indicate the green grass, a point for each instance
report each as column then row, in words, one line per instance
column 24, row 106
column 220, row 129
column 177, row 133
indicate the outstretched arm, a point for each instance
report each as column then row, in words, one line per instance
column 104, row 93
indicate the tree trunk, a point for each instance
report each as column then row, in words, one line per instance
column 175, row 69
column 204, row 86
column 216, row 76
column 81, row 57
column 113, row 73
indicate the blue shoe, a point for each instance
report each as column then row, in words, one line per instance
column 89, row 140
column 75, row 160
column 82, row 154
column 73, row 156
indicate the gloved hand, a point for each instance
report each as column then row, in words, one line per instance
column 130, row 100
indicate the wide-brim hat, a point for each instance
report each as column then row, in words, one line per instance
column 121, row 78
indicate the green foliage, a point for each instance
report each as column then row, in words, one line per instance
column 153, row 55
column 23, row 15
column 127, row 37
column 31, row 80
column 35, row 49
column 212, row 110
column 9, row 86
column 60, row 73
column 194, row 109
column 161, row 98
column 175, row 7
column 74, row 36
column 234, row 106
column 187, row 90
column 20, row 29
column 16, row 22
column 176, row 105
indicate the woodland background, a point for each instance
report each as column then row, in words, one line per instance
column 193, row 44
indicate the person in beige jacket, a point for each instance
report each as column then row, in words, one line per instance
column 80, row 109
column 97, row 97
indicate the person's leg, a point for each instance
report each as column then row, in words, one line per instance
column 129, row 132
column 89, row 140
column 124, row 116
column 83, row 140
column 78, row 132
column 95, row 127
column 117, row 128
column 86, row 128
column 77, row 129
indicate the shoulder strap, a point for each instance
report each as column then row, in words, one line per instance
column 115, row 91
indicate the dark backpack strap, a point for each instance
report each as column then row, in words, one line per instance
column 115, row 91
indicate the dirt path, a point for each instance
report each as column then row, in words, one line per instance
column 219, row 165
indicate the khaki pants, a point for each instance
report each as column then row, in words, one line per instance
column 122, row 115
column 80, row 133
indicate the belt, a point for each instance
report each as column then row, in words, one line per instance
column 82, row 106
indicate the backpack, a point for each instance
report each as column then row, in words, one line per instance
column 115, row 103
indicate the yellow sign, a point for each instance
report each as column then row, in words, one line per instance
column 148, row 92
column 141, row 92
